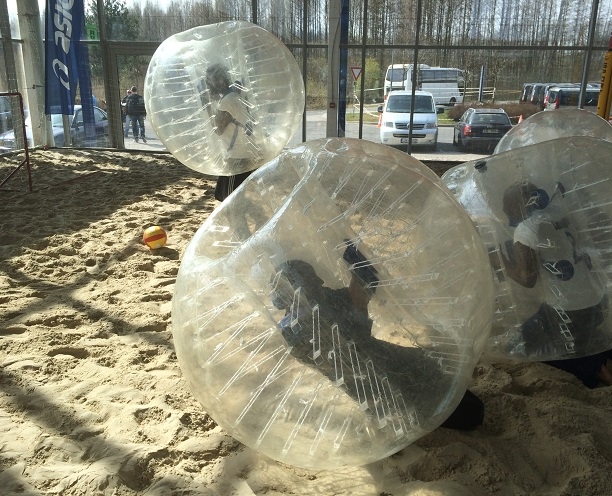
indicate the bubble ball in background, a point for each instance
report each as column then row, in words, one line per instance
column 553, row 198
column 561, row 123
column 232, row 66
column 332, row 309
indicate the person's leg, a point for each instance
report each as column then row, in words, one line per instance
column 590, row 369
column 583, row 325
column 126, row 127
column 227, row 184
column 540, row 334
column 141, row 123
column 135, row 127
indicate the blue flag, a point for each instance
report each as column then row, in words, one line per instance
column 64, row 25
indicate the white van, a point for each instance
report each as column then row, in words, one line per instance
column 395, row 119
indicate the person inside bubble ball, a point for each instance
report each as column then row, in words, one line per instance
column 300, row 292
column 546, row 248
column 234, row 126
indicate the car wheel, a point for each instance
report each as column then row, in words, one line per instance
column 454, row 139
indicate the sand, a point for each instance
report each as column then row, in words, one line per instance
column 93, row 402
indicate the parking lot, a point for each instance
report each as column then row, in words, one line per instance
column 316, row 127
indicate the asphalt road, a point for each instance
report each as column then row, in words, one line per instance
column 316, row 127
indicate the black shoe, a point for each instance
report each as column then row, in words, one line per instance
column 136, row 140
column 144, row 140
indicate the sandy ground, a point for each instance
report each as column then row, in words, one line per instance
column 92, row 400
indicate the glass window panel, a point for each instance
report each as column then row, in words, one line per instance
column 13, row 21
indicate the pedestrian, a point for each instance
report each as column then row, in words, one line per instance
column 135, row 108
column 126, row 117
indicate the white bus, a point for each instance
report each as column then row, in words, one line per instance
column 446, row 84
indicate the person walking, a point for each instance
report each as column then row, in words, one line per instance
column 135, row 108
column 126, row 117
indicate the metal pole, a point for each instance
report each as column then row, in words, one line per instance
column 364, row 41
column 415, row 69
column 304, row 62
column 588, row 54
column 28, row 15
column 9, row 60
column 333, row 67
column 109, row 64
column 343, row 61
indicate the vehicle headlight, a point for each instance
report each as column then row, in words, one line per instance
column 431, row 125
column 388, row 124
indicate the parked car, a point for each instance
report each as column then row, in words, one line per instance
column 537, row 94
column 558, row 85
column 77, row 131
column 526, row 93
column 481, row 127
column 569, row 96
column 6, row 121
column 395, row 120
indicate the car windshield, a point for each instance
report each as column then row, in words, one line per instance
column 490, row 119
column 401, row 104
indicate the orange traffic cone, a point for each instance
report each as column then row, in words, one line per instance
column 520, row 119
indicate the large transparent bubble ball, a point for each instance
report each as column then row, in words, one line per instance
column 545, row 217
column 332, row 309
column 549, row 125
column 198, row 77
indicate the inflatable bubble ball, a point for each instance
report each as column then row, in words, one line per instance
column 561, row 123
column 545, row 217
column 224, row 98
column 332, row 309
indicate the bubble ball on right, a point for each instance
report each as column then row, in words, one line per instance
column 544, row 214
column 332, row 310
column 549, row 125
column 224, row 98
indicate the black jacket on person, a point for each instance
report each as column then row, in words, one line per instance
column 135, row 106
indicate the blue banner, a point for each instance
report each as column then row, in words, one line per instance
column 64, row 25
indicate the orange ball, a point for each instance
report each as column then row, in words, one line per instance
column 154, row 237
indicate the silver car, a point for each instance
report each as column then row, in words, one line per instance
column 77, row 131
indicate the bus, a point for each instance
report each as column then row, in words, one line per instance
column 446, row 84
